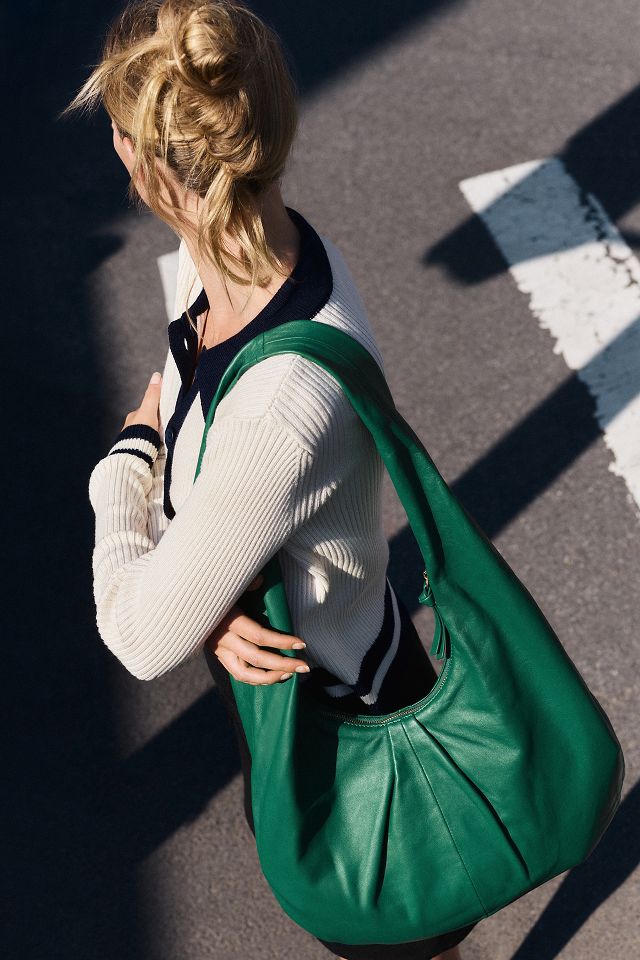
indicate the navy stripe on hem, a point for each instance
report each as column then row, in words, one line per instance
column 370, row 662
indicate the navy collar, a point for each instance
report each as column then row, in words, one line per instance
column 300, row 297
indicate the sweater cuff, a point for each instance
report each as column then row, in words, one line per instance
column 140, row 439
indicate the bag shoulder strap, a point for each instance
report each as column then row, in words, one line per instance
column 460, row 562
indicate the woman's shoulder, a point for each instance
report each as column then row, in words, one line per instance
column 299, row 394
column 345, row 307
column 301, row 397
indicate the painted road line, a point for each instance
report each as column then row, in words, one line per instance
column 168, row 267
column 583, row 284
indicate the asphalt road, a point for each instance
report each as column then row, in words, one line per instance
column 124, row 835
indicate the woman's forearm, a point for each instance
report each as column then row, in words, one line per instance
column 157, row 600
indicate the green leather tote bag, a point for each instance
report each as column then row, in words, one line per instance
column 400, row 826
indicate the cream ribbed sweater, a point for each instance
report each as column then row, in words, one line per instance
column 288, row 466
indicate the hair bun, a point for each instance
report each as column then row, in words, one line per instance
column 204, row 46
column 202, row 86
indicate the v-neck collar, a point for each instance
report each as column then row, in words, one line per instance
column 302, row 294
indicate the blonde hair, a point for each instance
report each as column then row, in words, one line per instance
column 204, row 86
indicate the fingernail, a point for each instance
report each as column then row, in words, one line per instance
column 156, row 377
column 298, row 645
column 304, row 669
column 285, row 676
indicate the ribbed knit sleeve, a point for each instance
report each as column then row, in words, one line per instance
column 157, row 520
column 144, row 441
column 158, row 599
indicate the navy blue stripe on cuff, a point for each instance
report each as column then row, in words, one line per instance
column 143, row 456
column 139, row 431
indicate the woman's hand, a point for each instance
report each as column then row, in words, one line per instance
column 236, row 642
column 148, row 411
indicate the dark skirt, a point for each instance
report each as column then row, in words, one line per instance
column 409, row 678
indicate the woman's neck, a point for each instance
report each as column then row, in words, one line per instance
column 227, row 318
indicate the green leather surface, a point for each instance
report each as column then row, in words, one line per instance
column 384, row 829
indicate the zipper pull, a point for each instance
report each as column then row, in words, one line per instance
column 427, row 593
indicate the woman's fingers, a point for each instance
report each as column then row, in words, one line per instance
column 242, row 671
column 237, row 642
column 257, row 657
column 239, row 623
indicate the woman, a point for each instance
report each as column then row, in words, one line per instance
column 203, row 111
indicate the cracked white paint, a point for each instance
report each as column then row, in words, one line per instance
column 583, row 282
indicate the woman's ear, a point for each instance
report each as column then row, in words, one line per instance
column 123, row 140
column 127, row 144
column 123, row 147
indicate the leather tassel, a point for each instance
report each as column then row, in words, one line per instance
column 440, row 647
